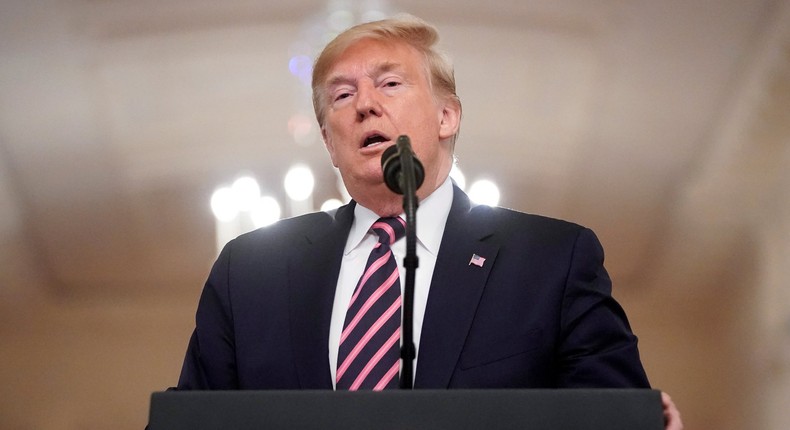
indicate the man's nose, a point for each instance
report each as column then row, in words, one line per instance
column 368, row 103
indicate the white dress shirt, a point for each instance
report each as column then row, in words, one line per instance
column 431, row 218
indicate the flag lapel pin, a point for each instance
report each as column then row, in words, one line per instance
column 477, row 260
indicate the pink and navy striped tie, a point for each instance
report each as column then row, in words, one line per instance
column 368, row 358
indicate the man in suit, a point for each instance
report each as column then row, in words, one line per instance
column 502, row 298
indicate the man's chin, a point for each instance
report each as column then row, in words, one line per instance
column 373, row 187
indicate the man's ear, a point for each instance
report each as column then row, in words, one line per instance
column 449, row 119
column 330, row 147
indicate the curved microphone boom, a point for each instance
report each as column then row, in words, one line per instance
column 403, row 174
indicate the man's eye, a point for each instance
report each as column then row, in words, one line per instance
column 391, row 84
column 342, row 96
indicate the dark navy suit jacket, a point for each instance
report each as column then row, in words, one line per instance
column 538, row 313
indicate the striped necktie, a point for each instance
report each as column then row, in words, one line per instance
column 368, row 358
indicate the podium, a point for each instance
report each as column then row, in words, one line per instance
column 558, row 409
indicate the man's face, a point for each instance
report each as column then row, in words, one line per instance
column 377, row 91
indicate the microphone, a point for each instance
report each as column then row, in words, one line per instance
column 392, row 165
column 403, row 174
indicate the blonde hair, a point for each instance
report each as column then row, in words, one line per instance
column 403, row 28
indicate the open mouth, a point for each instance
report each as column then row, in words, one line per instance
column 373, row 140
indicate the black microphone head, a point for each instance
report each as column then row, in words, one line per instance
column 392, row 168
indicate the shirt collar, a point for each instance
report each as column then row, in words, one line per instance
column 431, row 219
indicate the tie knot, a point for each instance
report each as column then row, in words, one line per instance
column 389, row 229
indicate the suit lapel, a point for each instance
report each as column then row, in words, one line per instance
column 455, row 292
column 313, row 269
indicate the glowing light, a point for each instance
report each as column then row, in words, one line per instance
column 223, row 204
column 300, row 65
column 458, row 176
column 484, row 192
column 299, row 182
column 331, row 204
column 245, row 192
column 265, row 211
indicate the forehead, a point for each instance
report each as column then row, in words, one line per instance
column 369, row 56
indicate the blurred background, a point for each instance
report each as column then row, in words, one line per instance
column 662, row 125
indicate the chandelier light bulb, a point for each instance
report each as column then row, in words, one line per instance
column 484, row 192
column 299, row 182
column 223, row 204
column 265, row 211
column 246, row 192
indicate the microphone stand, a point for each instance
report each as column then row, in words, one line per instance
column 403, row 174
column 410, row 261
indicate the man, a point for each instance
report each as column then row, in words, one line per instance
column 502, row 299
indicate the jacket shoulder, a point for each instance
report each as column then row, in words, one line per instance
column 295, row 230
column 515, row 222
